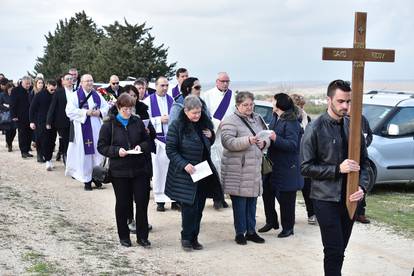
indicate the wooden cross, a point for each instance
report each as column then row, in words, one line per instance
column 358, row 55
column 88, row 143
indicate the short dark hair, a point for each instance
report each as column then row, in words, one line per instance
column 140, row 82
column 160, row 77
column 179, row 71
column 4, row 81
column 51, row 82
column 187, row 86
column 284, row 101
column 9, row 85
column 125, row 100
column 130, row 87
column 338, row 84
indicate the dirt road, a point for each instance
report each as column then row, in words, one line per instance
column 48, row 224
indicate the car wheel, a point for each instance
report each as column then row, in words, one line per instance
column 372, row 176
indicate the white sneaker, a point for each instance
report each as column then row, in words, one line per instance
column 48, row 165
column 312, row 220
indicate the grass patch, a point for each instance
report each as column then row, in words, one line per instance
column 393, row 205
column 38, row 264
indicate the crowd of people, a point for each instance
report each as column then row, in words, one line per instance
column 160, row 136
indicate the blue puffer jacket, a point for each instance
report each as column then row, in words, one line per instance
column 284, row 152
column 184, row 146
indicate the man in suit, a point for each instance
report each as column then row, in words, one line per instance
column 56, row 116
column 75, row 78
column 19, row 111
column 114, row 88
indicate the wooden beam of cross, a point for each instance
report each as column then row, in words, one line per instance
column 358, row 55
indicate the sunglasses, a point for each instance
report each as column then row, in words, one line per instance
column 197, row 87
column 115, row 83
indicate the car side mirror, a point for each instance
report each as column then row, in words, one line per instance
column 393, row 130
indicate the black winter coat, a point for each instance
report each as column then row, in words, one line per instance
column 127, row 137
column 56, row 115
column 116, row 95
column 183, row 146
column 20, row 103
column 284, row 152
column 39, row 108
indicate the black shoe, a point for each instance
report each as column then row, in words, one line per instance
column 58, row 156
column 64, row 159
column 98, row 184
column 126, row 242
column 186, row 245
column 29, row 155
column 149, row 227
column 285, row 233
column 254, row 238
column 267, row 227
column 175, row 206
column 9, row 148
column 196, row 245
column 160, row 207
column 363, row 219
column 88, row 186
column 225, row 205
column 40, row 159
column 240, row 239
column 217, row 205
column 144, row 243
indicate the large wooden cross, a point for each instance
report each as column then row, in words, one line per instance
column 358, row 55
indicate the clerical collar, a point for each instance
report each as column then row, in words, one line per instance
column 160, row 96
column 222, row 92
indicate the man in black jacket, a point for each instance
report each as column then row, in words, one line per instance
column 114, row 88
column 56, row 116
column 19, row 111
column 324, row 158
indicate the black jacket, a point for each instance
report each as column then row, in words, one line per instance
column 321, row 155
column 39, row 107
column 109, row 90
column 184, row 145
column 19, row 107
column 56, row 116
column 5, row 98
column 127, row 137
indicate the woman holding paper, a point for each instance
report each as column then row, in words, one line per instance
column 189, row 140
column 241, row 165
column 125, row 141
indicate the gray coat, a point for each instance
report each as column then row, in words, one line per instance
column 241, row 162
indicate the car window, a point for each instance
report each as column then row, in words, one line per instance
column 404, row 119
column 265, row 111
column 375, row 113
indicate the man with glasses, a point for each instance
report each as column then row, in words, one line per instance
column 159, row 106
column 56, row 116
column 114, row 88
column 45, row 137
column 85, row 108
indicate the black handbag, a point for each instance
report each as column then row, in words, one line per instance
column 5, row 120
column 101, row 172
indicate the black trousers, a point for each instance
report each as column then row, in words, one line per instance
column 46, row 141
column 360, row 211
column 336, row 228
column 127, row 189
column 306, row 193
column 10, row 134
column 269, row 198
column 63, row 139
column 287, row 202
column 24, row 136
column 191, row 217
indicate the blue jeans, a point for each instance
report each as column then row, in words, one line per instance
column 244, row 214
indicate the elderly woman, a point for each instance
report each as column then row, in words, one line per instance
column 284, row 153
column 241, row 165
column 189, row 140
column 125, row 141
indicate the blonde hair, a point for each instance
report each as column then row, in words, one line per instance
column 35, row 90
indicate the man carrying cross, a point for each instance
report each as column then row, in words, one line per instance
column 85, row 108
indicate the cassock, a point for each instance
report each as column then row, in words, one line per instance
column 82, row 154
column 157, row 107
column 220, row 104
column 175, row 91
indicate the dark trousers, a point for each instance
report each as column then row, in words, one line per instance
column 244, row 214
column 46, row 140
column 360, row 211
column 10, row 134
column 127, row 189
column 191, row 217
column 306, row 192
column 269, row 198
column 336, row 228
column 24, row 136
column 287, row 202
column 63, row 139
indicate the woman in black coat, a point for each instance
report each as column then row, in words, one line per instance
column 189, row 140
column 10, row 128
column 122, row 138
column 284, row 153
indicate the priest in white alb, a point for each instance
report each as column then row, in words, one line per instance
column 221, row 102
column 159, row 106
column 85, row 108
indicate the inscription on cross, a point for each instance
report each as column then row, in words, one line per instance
column 358, row 55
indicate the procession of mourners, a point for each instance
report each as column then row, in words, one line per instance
column 187, row 145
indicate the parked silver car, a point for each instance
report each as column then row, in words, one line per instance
column 391, row 118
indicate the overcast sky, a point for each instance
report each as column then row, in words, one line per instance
column 261, row 40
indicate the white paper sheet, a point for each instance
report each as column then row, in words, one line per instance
column 202, row 170
column 264, row 134
column 134, row 151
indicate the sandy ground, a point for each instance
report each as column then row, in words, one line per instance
column 48, row 222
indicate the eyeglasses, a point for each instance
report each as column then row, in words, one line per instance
column 68, row 79
column 224, row 81
column 115, row 83
column 164, row 85
column 197, row 87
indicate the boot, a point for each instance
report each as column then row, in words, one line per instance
column 40, row 158
column 9, row 148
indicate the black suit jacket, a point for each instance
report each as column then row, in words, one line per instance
column 19, row 107
column 56, row 116
column 109, row 90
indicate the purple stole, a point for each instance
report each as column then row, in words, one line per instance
column 223, row 106
column 87, row 133
column 146, row 94
column 155, row 112
column 175, row 91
